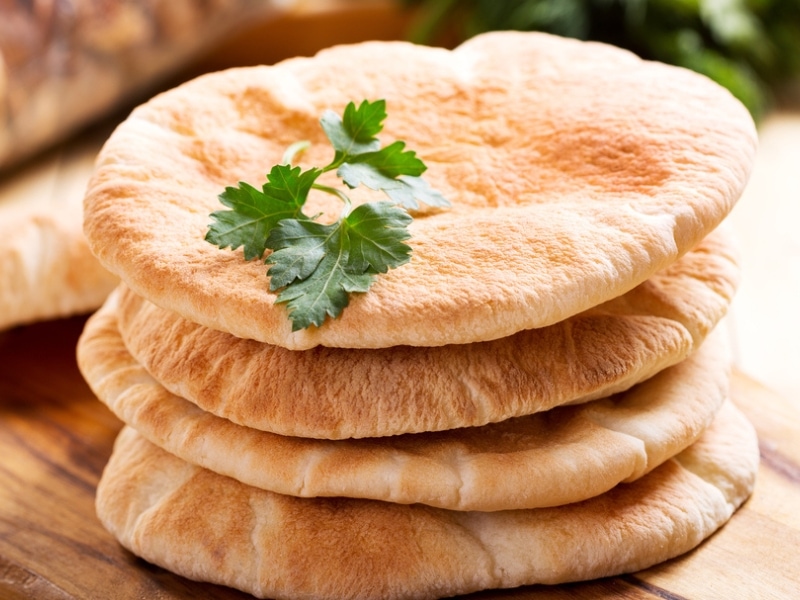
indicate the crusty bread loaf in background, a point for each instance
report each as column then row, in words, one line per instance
column 67, row 64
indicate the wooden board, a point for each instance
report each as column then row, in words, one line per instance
column 55, row 438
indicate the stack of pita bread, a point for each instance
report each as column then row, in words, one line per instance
column 539, row 396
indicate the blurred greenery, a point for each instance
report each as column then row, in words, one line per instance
column 748, row 46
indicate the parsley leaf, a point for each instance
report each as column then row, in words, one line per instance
column 355, row 132
column 342, row 257
column 390, row 161
column 394, row 172
column 315, row 266
column 376, row 232
column 256, row 212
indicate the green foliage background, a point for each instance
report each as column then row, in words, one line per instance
column 748, row 46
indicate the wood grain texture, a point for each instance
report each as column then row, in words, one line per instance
column 55, row 438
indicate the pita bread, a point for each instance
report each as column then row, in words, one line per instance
column 575, row 172
column 404, row 390
column 212, row 528
column 46, row 268
column 571, row 453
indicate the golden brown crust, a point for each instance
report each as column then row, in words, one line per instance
column 572, row 453
column 212, row 528
column 404, row 390
column 576, row 171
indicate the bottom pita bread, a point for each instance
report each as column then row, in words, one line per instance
column 212, row 528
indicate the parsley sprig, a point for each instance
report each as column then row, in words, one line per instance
column 316, row 266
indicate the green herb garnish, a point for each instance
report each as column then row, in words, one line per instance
column 316, row 266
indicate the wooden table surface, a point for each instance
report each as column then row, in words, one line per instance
column 55, row 438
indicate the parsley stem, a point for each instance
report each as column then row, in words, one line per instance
column 336, row 192
column 293, row 150
column 335, row 164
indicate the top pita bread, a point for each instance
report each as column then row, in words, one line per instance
column 212, row 528
column 46, row 268
column 575, row 171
